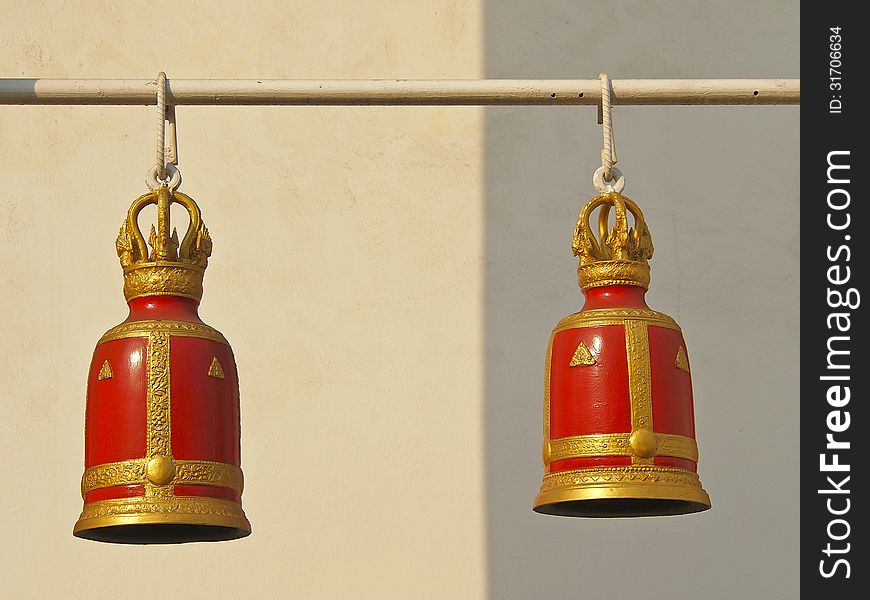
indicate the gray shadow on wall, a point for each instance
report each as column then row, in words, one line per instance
column 706, row 273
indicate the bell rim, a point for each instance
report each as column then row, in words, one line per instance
column 236, row 526
column 639, row 508
column 178, row 510
column 695, row 498
column 192, row 532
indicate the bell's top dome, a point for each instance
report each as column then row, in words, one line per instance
column 169, row 268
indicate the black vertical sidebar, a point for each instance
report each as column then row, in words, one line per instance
column 835, row 223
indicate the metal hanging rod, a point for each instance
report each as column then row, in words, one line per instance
column 383, row 92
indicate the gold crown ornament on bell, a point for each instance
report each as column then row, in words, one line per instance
column 619, row 428
column 162, row 450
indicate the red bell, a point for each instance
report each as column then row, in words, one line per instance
column 162, row 460
column 619, row 432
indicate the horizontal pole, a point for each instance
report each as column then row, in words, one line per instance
column 383, row 92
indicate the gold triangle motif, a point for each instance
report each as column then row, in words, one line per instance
column 105, row 371
column 682, row 361
column 582, row 356
column 216, row 370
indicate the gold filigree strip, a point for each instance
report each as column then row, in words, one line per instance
column 678, row 446
column 608, row 475
column 158, row 436
column 639, row 380
column 615, row 316
column 618, row 444
column 582, row 446
column 159, row 417
column 159, row 491
column 622, row 313
column 203, row 472
column 187, row 472
column 146, row 328
column 128, row 472
column 161, row 506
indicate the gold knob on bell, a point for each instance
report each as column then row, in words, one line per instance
column 643, row 443
column 160, row 470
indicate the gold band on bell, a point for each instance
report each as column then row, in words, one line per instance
column 615, row 316
column 613, row 272
column 174, row 328
column 185, row 472
column 163, row 279
column 617, row 444
column 635, row 482
column 173, row 510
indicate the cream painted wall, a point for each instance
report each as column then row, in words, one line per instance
column 388, row 278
